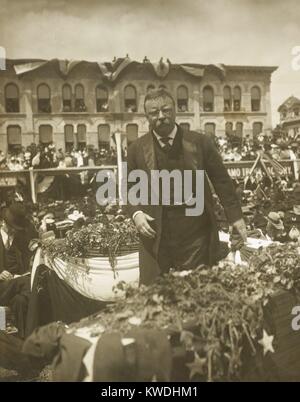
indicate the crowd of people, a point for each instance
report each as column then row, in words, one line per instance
column 47, row 156
column 231, row 147
column 278, row 145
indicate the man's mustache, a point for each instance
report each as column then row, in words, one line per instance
column 160, row 122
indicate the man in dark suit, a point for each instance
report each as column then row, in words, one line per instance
column 15, row 234
column 170, row 238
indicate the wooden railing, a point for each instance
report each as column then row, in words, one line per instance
column 236, row 170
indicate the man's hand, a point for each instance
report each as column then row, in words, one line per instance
column 240, row 226
column 5, row 276
column 141, row 222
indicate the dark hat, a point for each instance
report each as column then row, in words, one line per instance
column 15, row 216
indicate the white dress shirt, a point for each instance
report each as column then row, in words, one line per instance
column 7, row 240
column 171, row 137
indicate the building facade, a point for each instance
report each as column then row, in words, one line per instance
column 290, row 116
column 74, row 104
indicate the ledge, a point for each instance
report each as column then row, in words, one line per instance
column 13, row 115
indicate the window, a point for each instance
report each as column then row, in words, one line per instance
column 131, row 133
column 150, row 88
column 104, row 136
column 257, row 129
column 296, row 112
column 210, row 129
column 255, row 99
column 228, row 128
column 130, row 99
column 14, row 142
column 79, row 99
column 67, row 98
column 182, row 99
column 81, row 135
column 185, row 126
column 283, row 114
column 45, row 134
column 227, row 99
column 69, row 137
column 239, row 129
column 12, row 99
column 44, row 102
column 208, row 99
column 237, row 96
column 101, row 99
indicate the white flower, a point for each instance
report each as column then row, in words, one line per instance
column 135, row 321
column 182, row 274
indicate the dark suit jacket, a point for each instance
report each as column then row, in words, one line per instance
column 23, row 254
column 199, row 153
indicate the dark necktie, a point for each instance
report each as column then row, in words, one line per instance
column 166, row 141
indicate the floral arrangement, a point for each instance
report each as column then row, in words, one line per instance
column 110, row 236
column 214, row 314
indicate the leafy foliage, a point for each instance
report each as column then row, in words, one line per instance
column 110, row 236
column 214, row 313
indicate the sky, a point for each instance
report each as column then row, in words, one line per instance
column 242, row 32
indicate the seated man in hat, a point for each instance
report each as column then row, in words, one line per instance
column 15, row 234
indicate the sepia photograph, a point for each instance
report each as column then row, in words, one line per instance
column 149, row 193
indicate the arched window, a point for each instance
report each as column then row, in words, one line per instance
column 150, row 88
column 67, row 98
column 44, row 99
column 81, row 135
column 228, row 128
column 208, row 99
column 185, row 126
column 14, row 141
column 131, row 133
column 257, row 129
column 79, row 99
column 69, row 137
column 101, row 99
column 239, row 129
column 45, row 134
column 130, row 98
column 182, row 99
column 104, row 136
column 227, row 99
column 210, row 129
column 237, row 99
column 284, row 114
column 12, row 99
column 296, row 112
column 255, row 99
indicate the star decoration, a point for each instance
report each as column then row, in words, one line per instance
column 267, row 342
column 197, row 366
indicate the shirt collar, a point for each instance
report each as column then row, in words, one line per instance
column 171, row 135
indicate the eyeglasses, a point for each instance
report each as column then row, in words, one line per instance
column 165, row 112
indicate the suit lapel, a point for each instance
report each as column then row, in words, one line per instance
column 189, row 152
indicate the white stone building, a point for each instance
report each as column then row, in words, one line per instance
column 83, row 103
